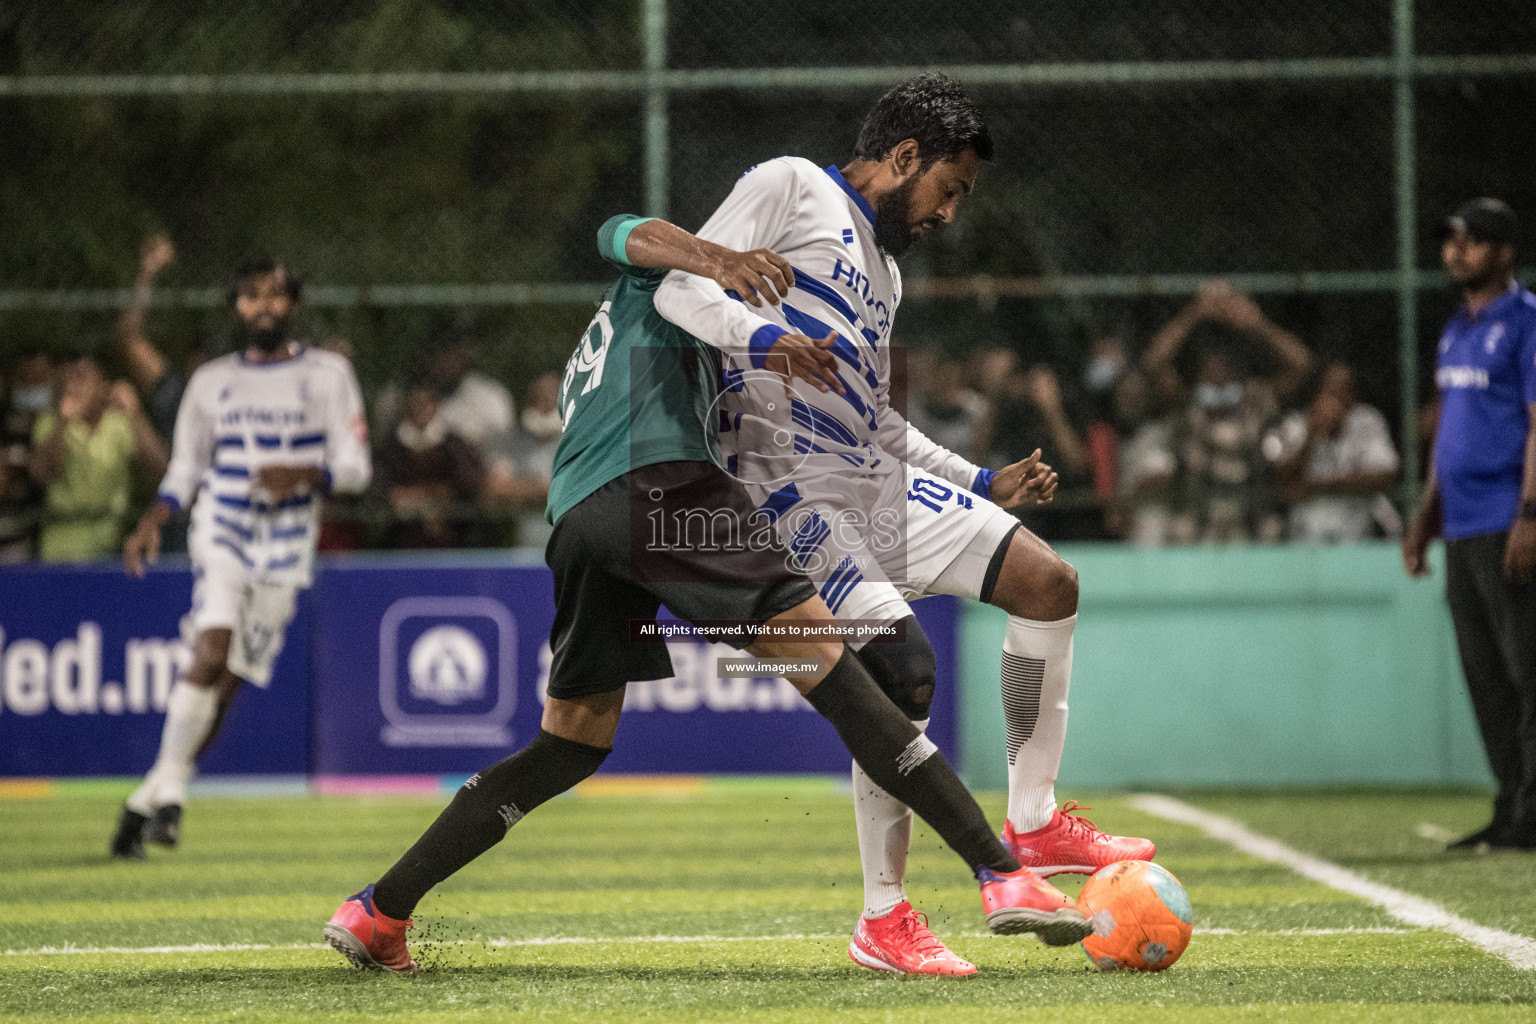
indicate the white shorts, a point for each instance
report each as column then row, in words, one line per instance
column 255, row 612
column 925, row 536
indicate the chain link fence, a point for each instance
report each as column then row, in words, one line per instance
column 445, row 163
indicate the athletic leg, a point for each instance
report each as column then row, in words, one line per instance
column 886, row 744
column 574, row 739
column 902, row 761
column 193, row 712
column 905, row 671
column 236, row 627
column 190, row 713
column 1473, row 587
column 592, row 657
column 1038, row 590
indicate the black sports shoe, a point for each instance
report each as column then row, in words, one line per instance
column 1516, row 836
column 1488, row 835
column 128, row 844
column 164, row 828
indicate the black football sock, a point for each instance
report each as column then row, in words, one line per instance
column 482, row 812
column 905, row 763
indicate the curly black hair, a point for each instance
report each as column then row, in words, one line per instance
column 257, row 266
column 931, row 108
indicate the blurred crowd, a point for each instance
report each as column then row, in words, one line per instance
column 458, row 462
column 1241, row 435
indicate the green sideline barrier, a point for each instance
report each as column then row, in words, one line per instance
column 1243, row 666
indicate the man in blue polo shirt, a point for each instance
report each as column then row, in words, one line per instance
column 1481, row 497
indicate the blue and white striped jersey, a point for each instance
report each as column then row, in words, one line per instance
column 820, row 442
column 237, row 417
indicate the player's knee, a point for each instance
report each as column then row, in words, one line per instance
column 1062, row 588
column 906, row 671
column 210, row 659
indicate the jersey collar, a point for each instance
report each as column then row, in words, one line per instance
column 1492, row 308
column 296, row 350
column 853, row 193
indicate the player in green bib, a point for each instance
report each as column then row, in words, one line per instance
column 639, row 450
column 637, row 391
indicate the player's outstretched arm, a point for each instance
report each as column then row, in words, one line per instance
column 756, row 275
column 706, row 310
column 898, row 436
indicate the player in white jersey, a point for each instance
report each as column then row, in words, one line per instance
column 878, row 513
column 262, row 434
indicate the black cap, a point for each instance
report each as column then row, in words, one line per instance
column 1487, row 220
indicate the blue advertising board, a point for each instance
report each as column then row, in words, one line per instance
column 393, row 665
column 423, row 668
column 87, row 659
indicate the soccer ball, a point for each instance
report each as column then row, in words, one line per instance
column 1141, row 917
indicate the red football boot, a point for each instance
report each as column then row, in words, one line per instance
column 360, row 932
column 1069, row 844
column 1021, row 901
column 901, row 943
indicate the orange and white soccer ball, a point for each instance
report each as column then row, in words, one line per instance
column 1141, row 917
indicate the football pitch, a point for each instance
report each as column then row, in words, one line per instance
column 722, row 900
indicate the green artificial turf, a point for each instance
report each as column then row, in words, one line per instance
column 735, row 905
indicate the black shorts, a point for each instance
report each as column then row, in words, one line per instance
column 683, row 534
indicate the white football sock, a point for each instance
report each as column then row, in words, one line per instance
column 885, row 835
column 189, row 714
column 1037, row 671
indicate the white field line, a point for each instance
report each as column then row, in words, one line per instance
column 1518, row 950
column 558, row 940
column 1434, row 833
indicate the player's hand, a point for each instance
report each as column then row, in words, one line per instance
column 1416, row 549
column 142, row 545
column 756, row 275
column 810, row 359
column 1026, row 481
column 283, row 481
column 1520, row 552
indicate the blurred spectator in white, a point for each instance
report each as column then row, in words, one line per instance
column 429, row 475
column 522, row 461
column 159, row 382
column 472, row 405
column 25, row 396
column 1146, row 465
column 1223, row 490
column 1335, row 463
column 942, row 405
column 82, row 454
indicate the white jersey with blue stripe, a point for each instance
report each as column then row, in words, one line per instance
column 817, row 443
column 237, row 417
